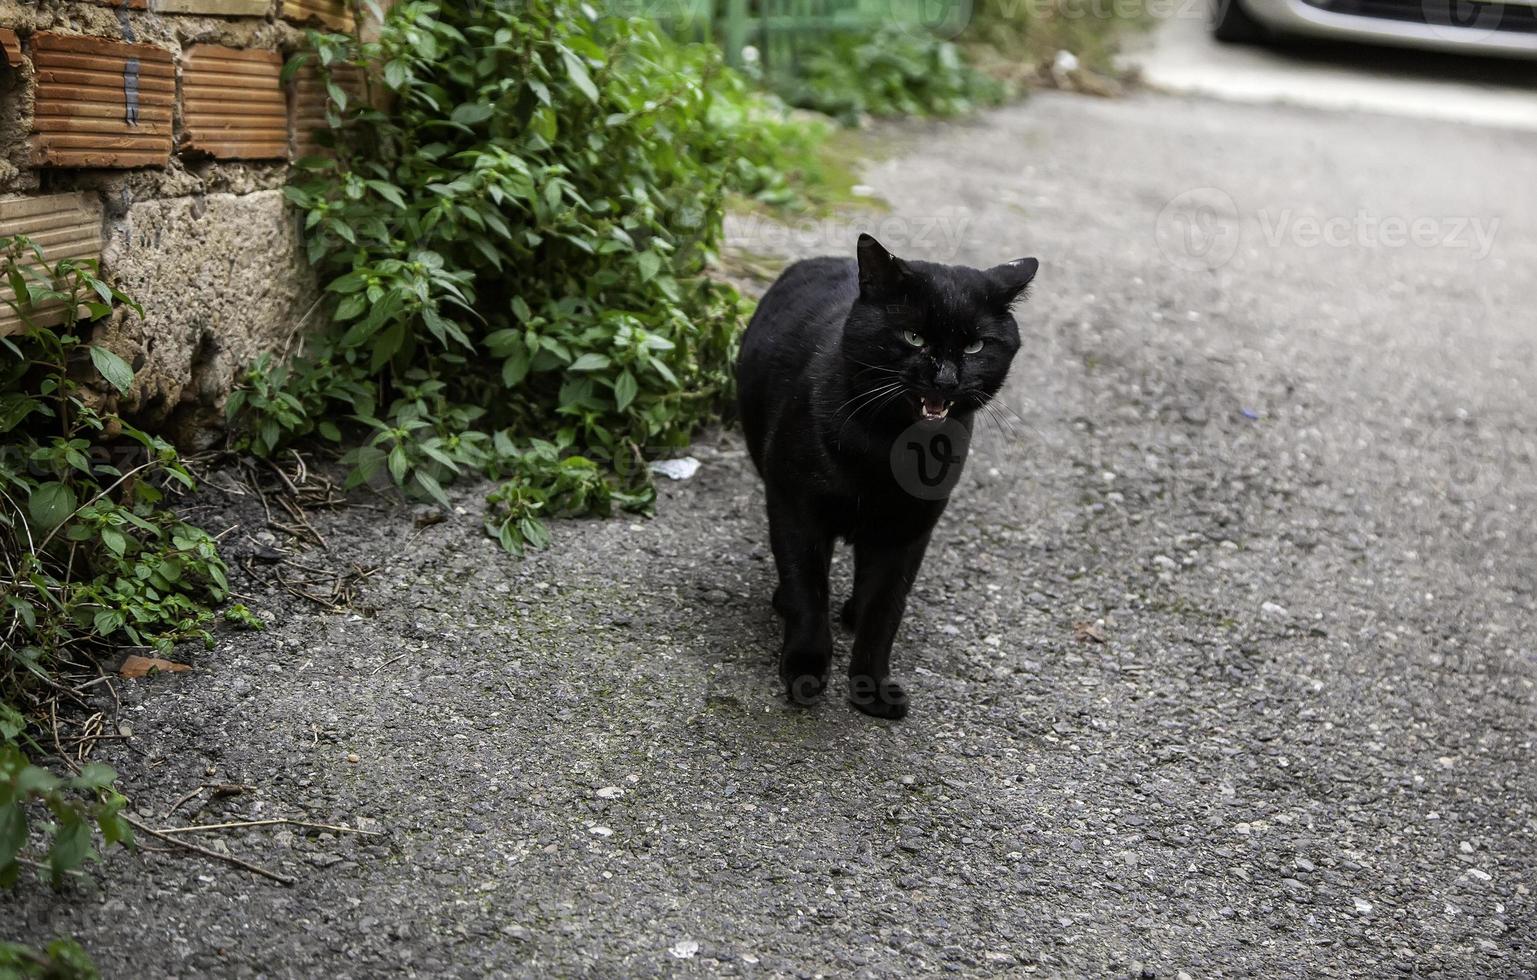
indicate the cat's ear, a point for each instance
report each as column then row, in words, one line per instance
column 882, row 276
column 1011, row 279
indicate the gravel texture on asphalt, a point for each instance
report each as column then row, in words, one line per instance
column 1222, row 661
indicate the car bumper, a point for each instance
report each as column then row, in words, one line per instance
column 1446, row 25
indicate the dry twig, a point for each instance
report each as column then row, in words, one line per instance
column 206, row 852
column 273, row 822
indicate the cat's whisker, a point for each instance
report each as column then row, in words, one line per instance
column 1013, row 426
column 982, row 408
column 865, row 396
column 863, row 399
column 887, row 400
column 880, row 367
column 1019, row 425
column 878, row 372
column 1019, row 419
column 889, row 391
column 999, row 423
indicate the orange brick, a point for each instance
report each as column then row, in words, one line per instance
column 10, row 47
column 101, row 103
column 335, row 14
column 221, row 8
column 232, row 103
column 65, row 226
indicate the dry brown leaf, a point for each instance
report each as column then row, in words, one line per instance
column 1088, row 633
column 136, row 666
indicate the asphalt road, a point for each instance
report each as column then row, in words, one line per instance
column 1279, row 456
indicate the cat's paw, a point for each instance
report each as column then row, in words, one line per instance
column 805, row 690
column 879, row 698
column 804, row 674
column 846, row 615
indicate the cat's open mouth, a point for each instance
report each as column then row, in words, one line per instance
column 932, row 409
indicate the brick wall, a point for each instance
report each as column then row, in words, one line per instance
column 156, row 135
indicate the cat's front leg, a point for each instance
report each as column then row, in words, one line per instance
column 802, row 553
column 883, row 575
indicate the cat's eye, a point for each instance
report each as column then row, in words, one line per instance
column 974, row 346
column 913, row 337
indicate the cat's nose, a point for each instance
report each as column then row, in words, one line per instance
column 946, row 378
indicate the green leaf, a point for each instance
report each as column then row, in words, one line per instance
column 366, row 461
column 107, row 622
column 11, row 723
column 432, row 487
column 70, row 846
column 35, row 780
column 115, row 540
column 114, row 829
column 51, row 504
column 579, row 76
column 471, row 113
column 113, row 368
column 349, row 283
column 590, row 362
column 625, row 389
column 13, row 832
column 351, row 307
column 650, row 263
column 398, row 465
column 389, row 192
column 515, row 368
column 534, row 532
column 95, row 775
column 508, row 538
column 14, row 407
column 395, row 73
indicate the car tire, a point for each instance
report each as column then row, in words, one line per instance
column 1231, row 23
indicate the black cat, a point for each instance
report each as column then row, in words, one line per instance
column 858, row 382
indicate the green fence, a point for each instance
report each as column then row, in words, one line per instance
column 780, row 30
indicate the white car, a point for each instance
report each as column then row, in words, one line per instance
column 1508, row 28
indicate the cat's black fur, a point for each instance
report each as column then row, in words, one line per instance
column 829, row 376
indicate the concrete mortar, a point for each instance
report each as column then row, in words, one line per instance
column 222, row 279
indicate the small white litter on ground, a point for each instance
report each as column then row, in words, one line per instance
column 676, row 469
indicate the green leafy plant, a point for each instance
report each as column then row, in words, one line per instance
column 548, row 483
column 62, row 959
column 514, row 255
column 1016, row 40
column 77, row 807
column 90, row 557
column 888, row 72
column 90, row 553
column 239, row 614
